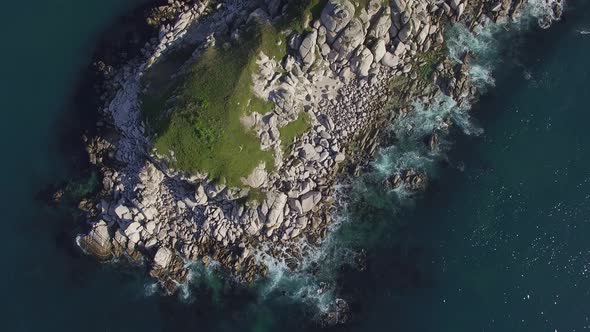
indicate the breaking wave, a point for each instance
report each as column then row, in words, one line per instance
column 408, row 152
column 313, row 283
column 545, row 11
column 437, row 115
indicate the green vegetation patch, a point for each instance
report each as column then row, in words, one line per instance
column 161, row 87
column 359, row 5
column 81, row 187
column 294, row 129
column 203, row 128
column 300, row 13
column 256, row 195
column 428, row 62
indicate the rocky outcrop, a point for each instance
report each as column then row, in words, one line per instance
column 344, row 72
column 410, row 180
column 336, row 16
column 98, row 241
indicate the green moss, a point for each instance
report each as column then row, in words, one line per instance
column 398, row 86
column 81, row 187
column 203, row 128
column 300, row 13
column 294, row 129
column 359, row 5
column 160, row 87
column 427, row 63
column 256, row 195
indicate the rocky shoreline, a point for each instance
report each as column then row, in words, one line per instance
column 354, row 70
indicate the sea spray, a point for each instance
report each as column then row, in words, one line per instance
column 368, row 195
column 484, row 43
column 313, row 282
column 151, row 289
column 487, row 41
column 437, row 115
column 545, row 11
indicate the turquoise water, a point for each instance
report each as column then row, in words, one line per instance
column 497, row 244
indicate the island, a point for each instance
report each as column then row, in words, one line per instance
column 225, row 141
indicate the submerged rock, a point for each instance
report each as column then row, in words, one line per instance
column 338, row 313
column 410, row 180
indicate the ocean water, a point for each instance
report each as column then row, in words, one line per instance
column 498, row 243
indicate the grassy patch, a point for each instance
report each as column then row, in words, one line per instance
column 160, row 86
column 300, row 13
column 256, row 195
column 294, row 129
column 398, row 86
column 427, row 64
column 204, row 129
column 359, row 5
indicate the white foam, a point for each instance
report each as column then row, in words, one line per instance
column 151, row 289
column 316, row 289
column 480, row 41
column 434, row 116
column 545, row 11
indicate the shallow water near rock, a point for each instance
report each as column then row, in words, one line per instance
column 498, row 243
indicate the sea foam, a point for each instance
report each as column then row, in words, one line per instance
column 313, row 282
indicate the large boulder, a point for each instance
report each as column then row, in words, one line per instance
column 310, row 200
column 276, row 203
column 399, row 5
column 379, row 50
column 351, row 38
column 380, row 28
column 133, row 232
column 163, row 257
column 405, row 32
column 335, row 16
column 295, row 205
column 373, row 6
column 423, row 34
column 257, row 178
column 307, row 48
column 122, row 212
column 200, row 195
column 98, row 241
column 390, row 60
column 362, row 62
column 308, row 152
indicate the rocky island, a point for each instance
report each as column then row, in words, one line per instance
column 226, row 139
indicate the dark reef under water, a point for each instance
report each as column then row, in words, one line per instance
column 498, row 243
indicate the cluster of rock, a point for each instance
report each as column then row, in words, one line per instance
column 338, row 72
column 410, row 180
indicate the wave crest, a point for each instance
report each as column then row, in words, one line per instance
column 546, row 11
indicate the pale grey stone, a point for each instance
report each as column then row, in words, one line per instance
column 307, row 48
column 379, row 50
column 310, row 200
column 337, row 14
column 163, row 257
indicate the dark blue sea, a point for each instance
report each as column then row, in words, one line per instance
column 499, row 242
